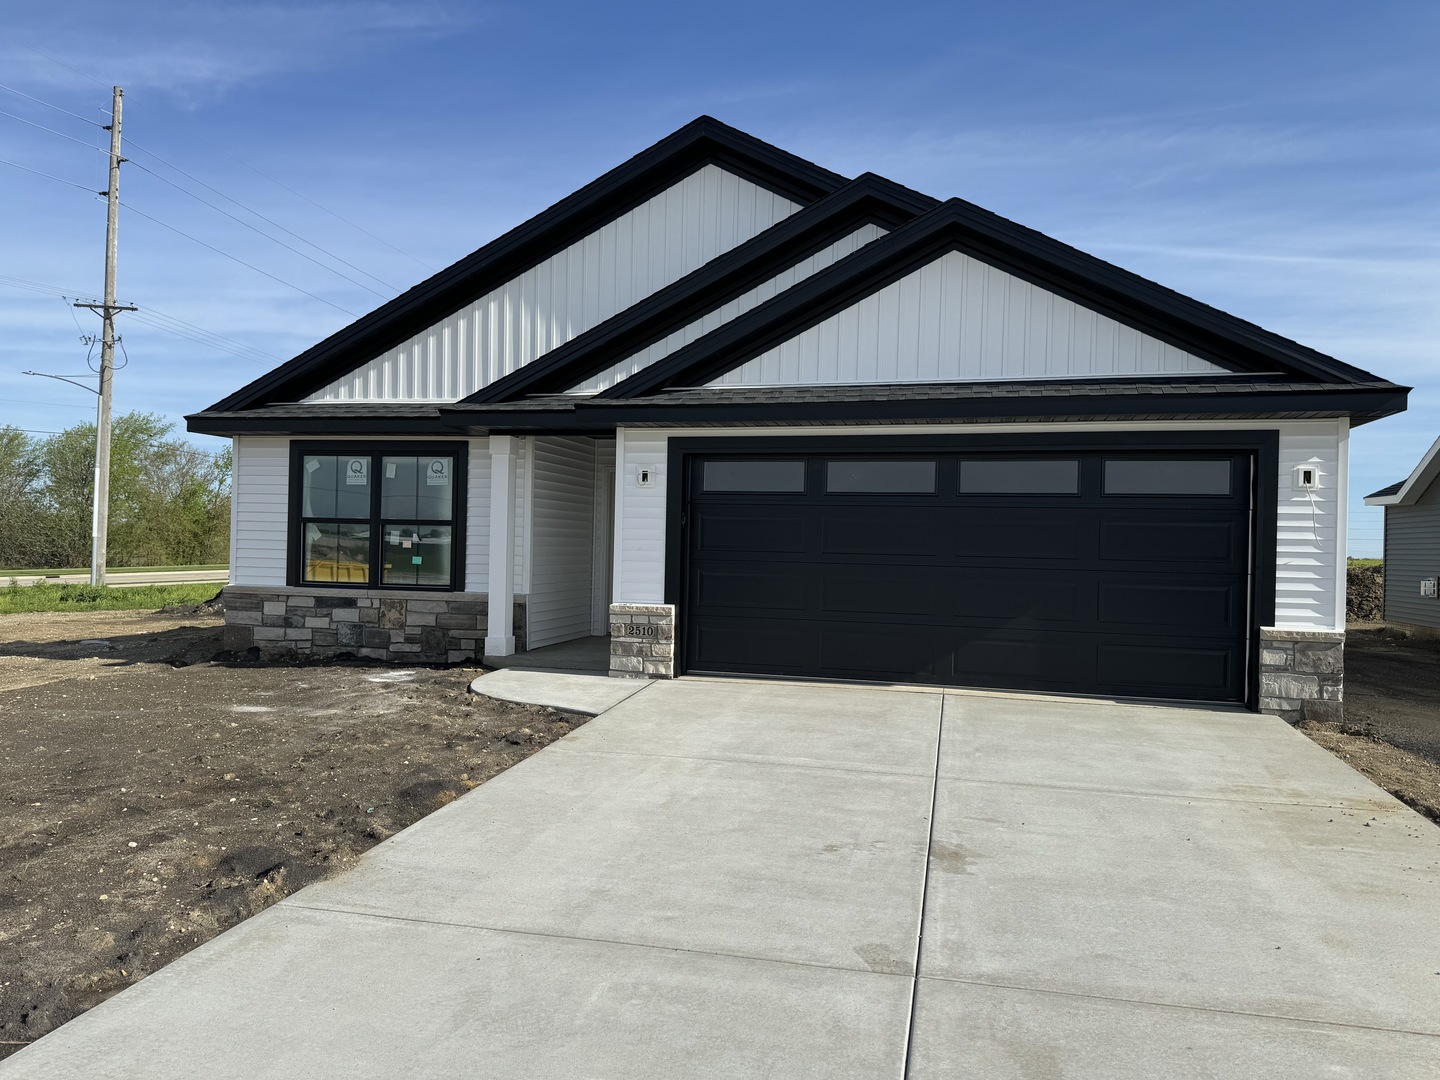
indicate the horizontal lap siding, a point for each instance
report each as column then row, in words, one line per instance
column 562, row 520
column 261, row 490
column 958, row 319
column 477, row 513
column 744, row 302
column 1308, row 535
column 658, row 242
column 1412, row 552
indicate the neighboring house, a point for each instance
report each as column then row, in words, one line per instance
column 749, row 416
column 1412, row 544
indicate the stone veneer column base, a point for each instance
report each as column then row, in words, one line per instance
column 401, row 627
column 642, row 641
column 1302, row 674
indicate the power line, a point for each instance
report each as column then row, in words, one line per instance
column 37, row 172
column 242, row 262
column 250, row 210
column 48, row 105
column 160, row 320
column 67, row 67
column 52, row 131
column 54, row 404
column 263, row 233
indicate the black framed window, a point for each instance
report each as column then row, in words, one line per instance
column 754, row 476
column 1165, row 476
column 897, row 476
column 377, row 514
column 1020, row 476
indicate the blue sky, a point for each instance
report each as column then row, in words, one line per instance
column 1279, row 161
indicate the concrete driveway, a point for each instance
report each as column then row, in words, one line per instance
column 741, row 879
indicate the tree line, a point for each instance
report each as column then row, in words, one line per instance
column 169, row 500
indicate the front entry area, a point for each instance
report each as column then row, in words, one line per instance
column 1095, row 572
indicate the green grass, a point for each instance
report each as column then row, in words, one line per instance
column 17, row 598
column 109, row 570
column 1367, row 562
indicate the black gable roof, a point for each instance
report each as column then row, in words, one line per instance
column 702, row 142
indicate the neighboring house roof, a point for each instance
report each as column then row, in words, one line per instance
column 1409, row 491
column 1237, row 369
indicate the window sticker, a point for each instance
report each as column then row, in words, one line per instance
column 311, row 464
column 389, row 470
column 357, row 471
column 438, row 475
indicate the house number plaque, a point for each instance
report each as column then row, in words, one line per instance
column 644, row 630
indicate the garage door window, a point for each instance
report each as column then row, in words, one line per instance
column 1157, row 476
column 1023, row 477
column 880, row 477
column 755, row 476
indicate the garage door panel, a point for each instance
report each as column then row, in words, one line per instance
column 779, row 529
column 1032, row 597
column 1155, row 602
column 884, row 531
column 1009, row 659
column 988, row 533
column 1220, row 543
column 766, row 588
column 1155, row 669
column 874, row 652
column 858, row 589
column 718, row 644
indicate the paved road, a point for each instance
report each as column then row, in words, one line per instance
column 721, row 879
column 125, row 580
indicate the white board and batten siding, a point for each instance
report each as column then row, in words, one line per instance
column 1309, row 540
column 658, row 242
column 958, row 319
column 559, row 604
column 813, row 264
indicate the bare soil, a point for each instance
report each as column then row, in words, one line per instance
column 153, row 797
column 1391, row 730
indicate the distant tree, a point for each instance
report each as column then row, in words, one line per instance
column 169, row 501
column 22, row 543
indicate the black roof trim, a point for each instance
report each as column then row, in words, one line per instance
column 918, row 403
column 866, row 199
column 1031, row 401
column 1205, row 331
column 703, row 141
column 1389, row 489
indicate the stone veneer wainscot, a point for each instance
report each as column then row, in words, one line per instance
column 1302, row 674
column 400, row 627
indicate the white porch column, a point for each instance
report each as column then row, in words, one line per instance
column 500, row 627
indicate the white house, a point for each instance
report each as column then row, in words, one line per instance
column 746, row 415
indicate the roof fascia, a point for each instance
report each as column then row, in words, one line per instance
column 701, row 142
column 1416, row 484
column 957, row 225
column 1362, row 404
column 865, row 200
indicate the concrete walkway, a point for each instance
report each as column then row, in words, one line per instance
column 734, row 880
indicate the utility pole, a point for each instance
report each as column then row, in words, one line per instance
column 100, row 522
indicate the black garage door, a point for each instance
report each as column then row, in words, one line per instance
column 1098, row 573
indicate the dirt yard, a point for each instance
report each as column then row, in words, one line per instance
column 1391, row 731
column 153, row 798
